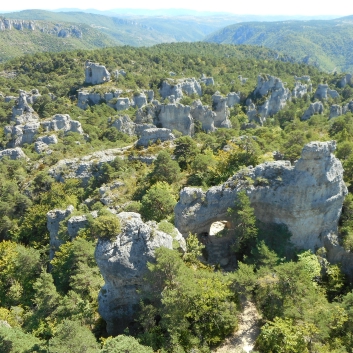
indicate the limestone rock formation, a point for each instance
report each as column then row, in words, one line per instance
column 13, row 153
column 346, row 79
column 85, row 167
column 43, row 142
column 54, row 217
column 307, row 197
column 188, row 85
column 123, row 263
column 335, row 111
column 139, row 100
column 174, row 116
column 299, row 90
column 62, row 122
column 21, row 106
column 276, row 96
column 122, row 103
column 95, row 74
column 220, row 108
column 21, row 134
column 125, row 125
column 208, row 81
column 314, row 108
column 304, row 78
column 233, row 98
column 153, row 135
column 204, row 115
column 323, row 91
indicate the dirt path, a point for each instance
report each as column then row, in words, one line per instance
column 244, row 339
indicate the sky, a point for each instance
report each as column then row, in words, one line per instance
column 253, row 7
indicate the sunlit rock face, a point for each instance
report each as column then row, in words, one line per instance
column 307, row 197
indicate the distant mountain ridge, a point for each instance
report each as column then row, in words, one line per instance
column 326, row 43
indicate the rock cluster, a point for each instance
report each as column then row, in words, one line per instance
column 208, row 81
column 62, row 122
column 323, row 91
column 220, row 108
column 204, row 115
column 271, row 89
column 153, row 135
column 188, row 85
column 13, row 153
column 337, row 110
column 85, row 167
column 346, row 79
column 123, row 263
column 306, row 197
column 314, row 108
column 95, row 74
column 299, row 90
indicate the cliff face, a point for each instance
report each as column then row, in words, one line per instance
column 307, row 197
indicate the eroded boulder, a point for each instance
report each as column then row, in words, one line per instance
column 153, row 135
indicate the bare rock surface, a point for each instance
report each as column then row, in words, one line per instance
column 62, row 122
column 306, row 197
column 149, row 136
column 220, row 108
column 13, row 153
column 123, row 263
column 204, row 115
column 96, row 74
column 85, row 167
column 314, row 108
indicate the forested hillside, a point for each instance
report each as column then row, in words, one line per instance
column 327, row 44
column 91, row 139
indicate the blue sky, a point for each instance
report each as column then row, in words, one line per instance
column 255, row 7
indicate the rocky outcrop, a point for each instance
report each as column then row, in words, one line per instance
column 85, row 167
column 174, row 116
column 153, row 135
column 299, row 90
column 204, row 115
column 21, row 134
column 20, row 25
column 335, row 111
column 274, row 92
column 125, row 125
column 21, row 106
column 95, row 74
column 208, row 81
column 13, row 153
column 139, row 100
column 304, row 78
column 123, row 263
column 314, row 108
column 233, row 98
column 346, row 79
column 54, row 217
column 323, row 91
column 220, row 108
column 306, row 197
column 188, row 85
column 242, row 79
column 43, row 142
column 62, row 122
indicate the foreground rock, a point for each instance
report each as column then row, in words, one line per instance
column 123, row 263
column 306, row 197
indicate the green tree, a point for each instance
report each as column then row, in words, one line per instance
column 124, row 344
column 158, row 203
column 165, row 169
column 185, row 151
column 244, row 223
column 71, row 336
